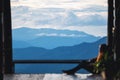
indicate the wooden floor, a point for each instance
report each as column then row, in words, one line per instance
column 51, row 77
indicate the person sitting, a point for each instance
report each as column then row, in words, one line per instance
column 94, row 65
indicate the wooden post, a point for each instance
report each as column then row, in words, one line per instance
column 117, row 35
column 117, row 29
column 116, row 38
column 110, row 25
column 1, row 42
column 108, row 73
column 7, row 37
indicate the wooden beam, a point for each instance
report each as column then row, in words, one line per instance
column 7, row 37
column 47, row 61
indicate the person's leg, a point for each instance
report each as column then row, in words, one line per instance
column 73, row 70
column 86, row 64
column 78, row 67
column 89, row 67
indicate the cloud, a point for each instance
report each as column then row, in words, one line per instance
column 60, row 35
column 94, row 8
column 76, row 4
column 59, row 14
column 51, row 16
column 14, row 0
column 96, row 31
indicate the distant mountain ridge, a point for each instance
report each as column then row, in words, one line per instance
column 80, row 51
column 49, row 38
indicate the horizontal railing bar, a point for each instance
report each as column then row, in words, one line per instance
column 46, row 61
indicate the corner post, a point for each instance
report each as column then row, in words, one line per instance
column 1, row 41
column 110, row 25
column 117, row 29
column 8, row 66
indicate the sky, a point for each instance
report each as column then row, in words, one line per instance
column 89, row 16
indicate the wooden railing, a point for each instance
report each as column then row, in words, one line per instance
column 46, row 61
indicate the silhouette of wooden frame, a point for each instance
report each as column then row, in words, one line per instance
column 5, row 36
column 6, row 44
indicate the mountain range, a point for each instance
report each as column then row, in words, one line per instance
column 52, row 44
column 81, row 51
column 49, row 38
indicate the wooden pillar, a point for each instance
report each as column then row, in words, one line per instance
column 108, row 72
column 1, row 46
column 117, row 29
column 117, row 37
column 8, row 68
column 110, row 25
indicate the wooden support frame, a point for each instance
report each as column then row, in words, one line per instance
column 8, row 67
column 1, row 41
column 113, row 37
column 8, row 42
column 117, row 37
column 5, row 30
column 117, row 30
column 110, row 26
column 110, row 35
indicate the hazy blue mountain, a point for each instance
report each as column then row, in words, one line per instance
column 56, row 41
column 50, row 38
column 20, row 44
column 80, row 51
